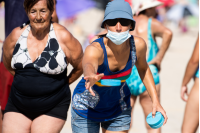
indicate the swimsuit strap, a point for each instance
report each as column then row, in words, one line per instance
column 103, row 66
column 152, row 46
column 104, row 51
column 133, row 50
column 149, row 28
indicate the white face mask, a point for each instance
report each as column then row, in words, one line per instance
column 118, row 38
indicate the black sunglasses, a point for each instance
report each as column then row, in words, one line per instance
column 123, row 22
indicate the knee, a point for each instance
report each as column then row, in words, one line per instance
column 149, row 129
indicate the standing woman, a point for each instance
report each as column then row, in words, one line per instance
column 111, row 57
column 149, row 28
column 191, row 116
column 37, row 55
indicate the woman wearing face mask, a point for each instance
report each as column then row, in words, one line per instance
column 111, row 57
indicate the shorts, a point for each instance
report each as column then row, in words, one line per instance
column 83, row 125
column 136, row 85
column 58, row 111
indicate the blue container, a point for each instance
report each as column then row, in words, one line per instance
column 111, row 82
column 155, row 122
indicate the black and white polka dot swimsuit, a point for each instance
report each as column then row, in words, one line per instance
column 41, row 85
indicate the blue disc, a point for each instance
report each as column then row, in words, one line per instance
column 155, row 122
column 111, row 82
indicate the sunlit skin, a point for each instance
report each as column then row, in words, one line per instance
column 40, row 20
column 117, row 56
column 191, row 116
column 158, row 30
column 40, row 16
column 141, row 31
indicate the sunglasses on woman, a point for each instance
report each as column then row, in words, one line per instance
column 122, row 21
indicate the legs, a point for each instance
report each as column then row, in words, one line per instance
column 47, row 124
column 191, row 116
column 83, row 125
column 16, row 123
column 107, row 131
column 133, row 100
column 120, row 124
column 146, row 103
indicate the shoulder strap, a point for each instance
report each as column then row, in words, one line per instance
column 149, row 27
column 133, row 51
column 100, row 41
column 132, row 43
column 149, row 23
column 103, row 66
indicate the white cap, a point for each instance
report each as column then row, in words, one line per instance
column 144, row 4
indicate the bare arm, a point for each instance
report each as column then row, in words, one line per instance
column 160, row 30
column 91, row 61
column 8, row 47
column 143, row 69
column 146, row 76
column 54, row 15
column 190, row 69
column 74, row 56
column 192, row 65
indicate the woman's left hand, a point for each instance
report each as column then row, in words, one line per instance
column 158, row 108
column 156, row 62
column 91, row 80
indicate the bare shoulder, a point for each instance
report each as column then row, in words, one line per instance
column 139, row 43
column 141, row 47
column 94, row 49
column 16, row 33
column 157, row 25
column 14, row 36
column 96, row 46
column 62, row 33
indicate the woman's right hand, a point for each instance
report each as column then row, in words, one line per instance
column 91, row 80
column 184, row 90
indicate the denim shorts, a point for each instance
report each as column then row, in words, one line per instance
column 82, row 125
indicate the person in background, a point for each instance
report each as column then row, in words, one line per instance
column 147, row 27
column 37, row 55
column 15, row 16
column 191, row 116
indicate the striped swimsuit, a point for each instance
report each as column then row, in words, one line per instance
column 109, row 101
